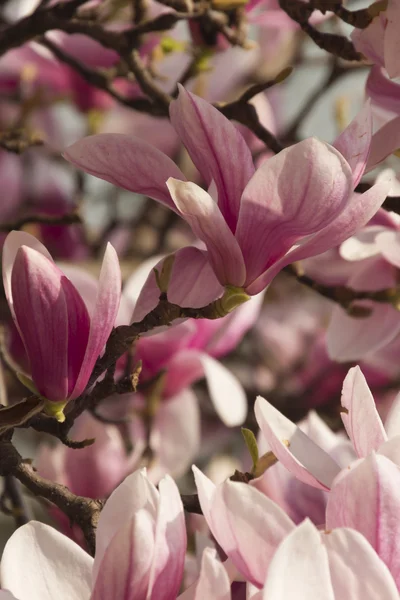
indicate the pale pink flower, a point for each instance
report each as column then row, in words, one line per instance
column 62, row 338
column 306, row 460
column 297, row 204
column 379, row 42
column 265, row 545
column 370, row 261
column 140, row 551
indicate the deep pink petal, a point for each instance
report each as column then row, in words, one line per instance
column 361, row 419
column 78, row 331
column 292, row 195
column 217, row 149
column 169, row 544
column 126, row 161
column 193, row 283
column 372, row 483
column 355, row 141
column 42, row 316
column 359, row 210
column 12, row 244
column 300, row 455
column 103, row 317
column 208, row 224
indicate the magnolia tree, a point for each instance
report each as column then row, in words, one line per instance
column 200, row 323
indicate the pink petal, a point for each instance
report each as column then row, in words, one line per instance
column 52, row 563
column 97, row 469
column 125, row 161
column 175, row 436
column 124, row 569
column 41, row 313
column 391, row 39
column 12, row 244
column 349, row 338
column 193, row 283
column 169, row 544
column 213, row 581
column 300, row 568
column 254, row 528
column 392, row 421
column 388, row 243
column 382, row 91
column 217, row 149
column 358, row 211
column 370, row 41
column 384, row 142
column 300, row 455
column 355, row 141
column 78, row 331
column 103, row 318
column 356, row 570
column 362, row 245
column 372, row 483
column 134, row 494
column 294, row 194
column 362, row 421
column 225, row 391
column 246, row 524
column 208, row 224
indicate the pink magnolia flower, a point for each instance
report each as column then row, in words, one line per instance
column 62, row 338
column 366, row 262
column 187, row 351
column 264, row 545
column 306, row 460
column 379, row 42
column 297, row 204
column 140, row 551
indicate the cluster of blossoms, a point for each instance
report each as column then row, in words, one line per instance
column 143, row 374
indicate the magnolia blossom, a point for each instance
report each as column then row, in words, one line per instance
column 141, row 544
column 306, row 460
column 265, row 545
column 367, row 262
column 62, row 337
column 379, row 42
column 253, row 223
column 140, row 551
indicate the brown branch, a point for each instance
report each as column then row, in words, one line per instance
column 83, row 511
column 357, row 18
column 247, row 115
column 12, row 494
column 346, row 296
column 338, row 45
column 39, row 22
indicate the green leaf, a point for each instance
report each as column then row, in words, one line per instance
column 251, row 443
